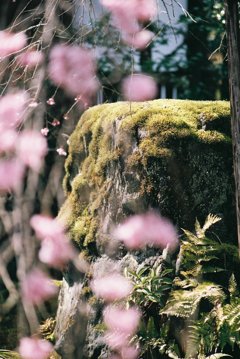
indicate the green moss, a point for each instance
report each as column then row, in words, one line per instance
column 47, row 329
column 175, row 154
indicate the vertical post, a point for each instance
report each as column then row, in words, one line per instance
column 233, row 38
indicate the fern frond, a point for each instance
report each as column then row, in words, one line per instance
column 232, row 287
column 8, row 354
column 232, row 316
column 218, row 355
column 190, row 236
column 210, row 220
column 183, row 303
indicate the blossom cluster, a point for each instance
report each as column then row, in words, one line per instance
column 121, row 323
column 73, row 68
column 128, row 17
column 35, row 347
column 21, row 149
column 11, row 43
column 55, row 249
column 37, row 287
column 141, row 230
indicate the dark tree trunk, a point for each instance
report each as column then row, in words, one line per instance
column 233, row 37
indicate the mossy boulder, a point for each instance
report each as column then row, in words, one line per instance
column 171, row 155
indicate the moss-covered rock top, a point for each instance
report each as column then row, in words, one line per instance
column 173, row 155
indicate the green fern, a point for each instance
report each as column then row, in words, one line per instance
column 183, row 303
column 8, row 354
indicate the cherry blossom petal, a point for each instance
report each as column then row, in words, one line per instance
column 122, row 320
column 12, row 108
column 11, row 174
column 44, row 131
column 124, row 14
column 145, row 10
column 116, row 340
column 37, row 287
column 129, row 352
column 33, row 104
column 61, row 151
column 111, row 287
column 11, row 43
column 51, row 101
column 139, row 87
column 7, row 140
column 147, row 229
column 34, row 347
column 31, row 149
column 45, row 226
column 73, row 68
column 127, row 17
column 55, row 122
column 56, row 252
column 140, row 10
column 30, row 58
column 139, row 40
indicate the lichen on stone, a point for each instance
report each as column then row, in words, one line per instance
column 124, row 158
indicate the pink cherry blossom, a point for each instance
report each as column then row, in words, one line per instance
column 11, row 43
column 145, row 10
column 61, row 151
column 31, row 149
column 124, row 15
column 121, row 320
column 37, row 287
column 139, row 87
column 73, row 68
column 30, row 58
column 139, row 10
column 125, row 21
column 129, row 352
column 51, row 101
column 33, row 104
column 128, row 16
column 46, row 227
column 56, row 252
column 140, row 230
column 44, row 131
column 116, row 340
column 139, row 40
column 55, row 122
column 7, row 140
column 12, row 108
column 55, row 249
column 30, row 348
column 111, row 287
column 11, row 174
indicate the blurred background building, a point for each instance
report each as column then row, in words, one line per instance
column 187, row 56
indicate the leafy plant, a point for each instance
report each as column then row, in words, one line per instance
column 194, row 312
column 150, row 284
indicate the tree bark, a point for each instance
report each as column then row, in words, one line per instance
column 233, row 37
